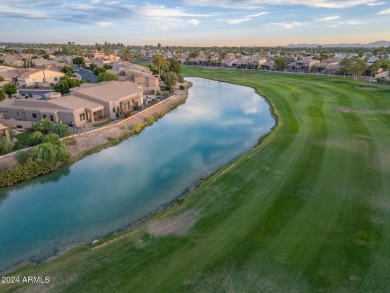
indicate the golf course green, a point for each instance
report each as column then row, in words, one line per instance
column 307, row 210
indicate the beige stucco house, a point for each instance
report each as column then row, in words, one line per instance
column 80, row 107
column 114, row 96
column 149, row 83
column 38, row 77
column 69, row 110
column 304, row 65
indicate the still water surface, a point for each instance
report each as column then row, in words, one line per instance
column 111, row 189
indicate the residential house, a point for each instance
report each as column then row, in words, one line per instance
column 228, row 62
column 269, row 65
column 114, row 95
column 44, row 63
column 38, row 77
column 149, row 83
column 304, row 65
column 329, row 66
column 68, row 109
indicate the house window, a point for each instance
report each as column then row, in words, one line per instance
column 113, row 109
column 82, row 117
column 55, row 78
column 44, row 116
column 51, row 118
column 34, row 115
column 17, row 113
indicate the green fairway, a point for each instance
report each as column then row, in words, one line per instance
column 307, row 210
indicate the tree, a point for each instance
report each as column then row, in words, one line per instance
column 161, row 63
column 92, row 66
column 1, row 78
column 107, row 76
column 353, row 66
column 2, row 95
column 9, row 89
column 170, row 78
column 107, row 66
column 65, row 84
column 68, row 70
column 126, row 55
column 79, row 60
column 97, row 70
column 62, row 87
column 280, row 62
column 44, row 126
column 174, row 65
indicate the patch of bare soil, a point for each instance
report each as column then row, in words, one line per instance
column 176, row 225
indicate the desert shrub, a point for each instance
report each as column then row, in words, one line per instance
column 36, row 138
column 5, row 146
column 22, row 157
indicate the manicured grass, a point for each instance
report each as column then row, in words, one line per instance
column 308, row 210
column 23, row 140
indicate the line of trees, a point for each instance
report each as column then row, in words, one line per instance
column 168, row 69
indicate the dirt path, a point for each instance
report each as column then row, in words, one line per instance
column 83, row 142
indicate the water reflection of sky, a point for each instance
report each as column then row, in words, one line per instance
column 112, row 188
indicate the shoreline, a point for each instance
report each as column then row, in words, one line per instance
column 81, row 145
column 155, row 213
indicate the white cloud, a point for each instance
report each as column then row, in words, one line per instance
column 376, row 4
column 237, row 21
column 103, row 23
column 253, row 4
column 162, row 11
column 9, row 11
column 287, row 25
column 328, row 18
column 244, row 18
column 257, row 14
column 383, row 12
column 355, row 22
column 333, row 26
column 112, row 3
column 194, row 22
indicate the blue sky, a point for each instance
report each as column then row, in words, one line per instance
column 195, row 22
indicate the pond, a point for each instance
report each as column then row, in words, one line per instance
column 109, row 190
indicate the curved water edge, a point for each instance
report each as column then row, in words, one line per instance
column 111, row 190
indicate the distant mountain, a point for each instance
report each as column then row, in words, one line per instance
column 343, row 45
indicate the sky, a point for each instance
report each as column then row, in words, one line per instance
column 195, row 22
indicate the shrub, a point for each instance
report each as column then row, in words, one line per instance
column 60, row 129
column 36, row 138
column 52, row 138
column 113, row 140
column 137, row 128
column 5, row 146
column 149, row 120
column 22, row 157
